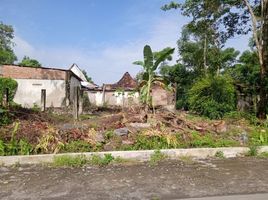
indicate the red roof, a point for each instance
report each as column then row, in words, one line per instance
column 18, row 72
column 126, row 82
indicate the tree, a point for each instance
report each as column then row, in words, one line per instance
column 246, row 75
column 150, row 66
column 231, row 17
column 183, row 79
column 194, row 63
column 212, row 96
column 7, row 55
column 89, row 79
column 28, row 62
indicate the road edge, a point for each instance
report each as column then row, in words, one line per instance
column 142, row 155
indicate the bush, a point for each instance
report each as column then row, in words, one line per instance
column 101, row 161
column 258, row 137
column 212, row 96
column 4, row 117
column 70, row 161
column 9, row 83
column 156, row 157
column 77, row 146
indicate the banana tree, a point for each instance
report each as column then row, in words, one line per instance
column 150, row 65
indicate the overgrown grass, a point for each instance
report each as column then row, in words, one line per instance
column 259, row 136
column 77, row 146
column 82, row 160
column 263, row 155
column 86, row 116
column 253, row 151
column 70, row 161
column 219, row 154
column 101, row 161
column 14, row 146
column 157, row 157
column 195, row 139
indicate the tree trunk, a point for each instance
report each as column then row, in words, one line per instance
column 264, row 65
column 205, row 54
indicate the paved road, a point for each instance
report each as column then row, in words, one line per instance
column 167, row 180
column 235, row 197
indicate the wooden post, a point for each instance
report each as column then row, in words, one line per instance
column 43, row 100
column 5, row 97
column 75, row 103
column 103, row 94
column 80, row 101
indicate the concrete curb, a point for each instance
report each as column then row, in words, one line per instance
column 142, row 155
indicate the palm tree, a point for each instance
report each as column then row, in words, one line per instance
column 150, row 65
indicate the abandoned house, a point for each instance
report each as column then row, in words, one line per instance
column 124, row 93
column 56, row 87
column 60, row 88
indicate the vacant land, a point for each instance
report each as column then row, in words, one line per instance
column 166, row 180
column 34, row 132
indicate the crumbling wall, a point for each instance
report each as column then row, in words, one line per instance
column 28, row 93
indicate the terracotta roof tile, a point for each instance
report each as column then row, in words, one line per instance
column 126, row 82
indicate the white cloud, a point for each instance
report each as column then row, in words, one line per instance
column 104, row 64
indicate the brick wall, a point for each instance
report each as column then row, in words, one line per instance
column 17, row 72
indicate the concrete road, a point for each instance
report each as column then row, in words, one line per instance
column 167, row 180
column 235, row 197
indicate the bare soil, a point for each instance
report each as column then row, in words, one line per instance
column 166, row 180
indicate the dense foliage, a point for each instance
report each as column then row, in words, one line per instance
column 7, row 55
column 11, row 85
column 212, row 96
column 214, row 22
column 28, row 62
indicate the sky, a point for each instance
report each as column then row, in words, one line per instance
column 103, row 37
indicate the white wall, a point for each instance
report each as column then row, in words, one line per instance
column 113, row 98
column 29, row 92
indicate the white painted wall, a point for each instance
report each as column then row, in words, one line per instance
column 113, row 98
column 29, row 92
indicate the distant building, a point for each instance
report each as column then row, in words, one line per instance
column 64, row 88
column 125, row 93
column 122, row 93
column 57, row 84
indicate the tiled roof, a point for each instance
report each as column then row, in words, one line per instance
column 18, row 72
column 126, row 82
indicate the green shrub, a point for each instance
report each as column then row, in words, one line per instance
column 25, row 148
column 154, row 142
column 259, row 137
column 101, row 161
column 77, row 146
column 208, row 140
column 236, row 115
column 263, row 155
column 198, row 140
column 212, row 96
column 219, row 154
column 253, row 151
column 9, row 83
column 2, row 148
column 5, row 117
column 156, row 157
column 108, row 135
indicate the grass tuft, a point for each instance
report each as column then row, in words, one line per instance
column 219, row 154
column 156, row 157
column 70, row 161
